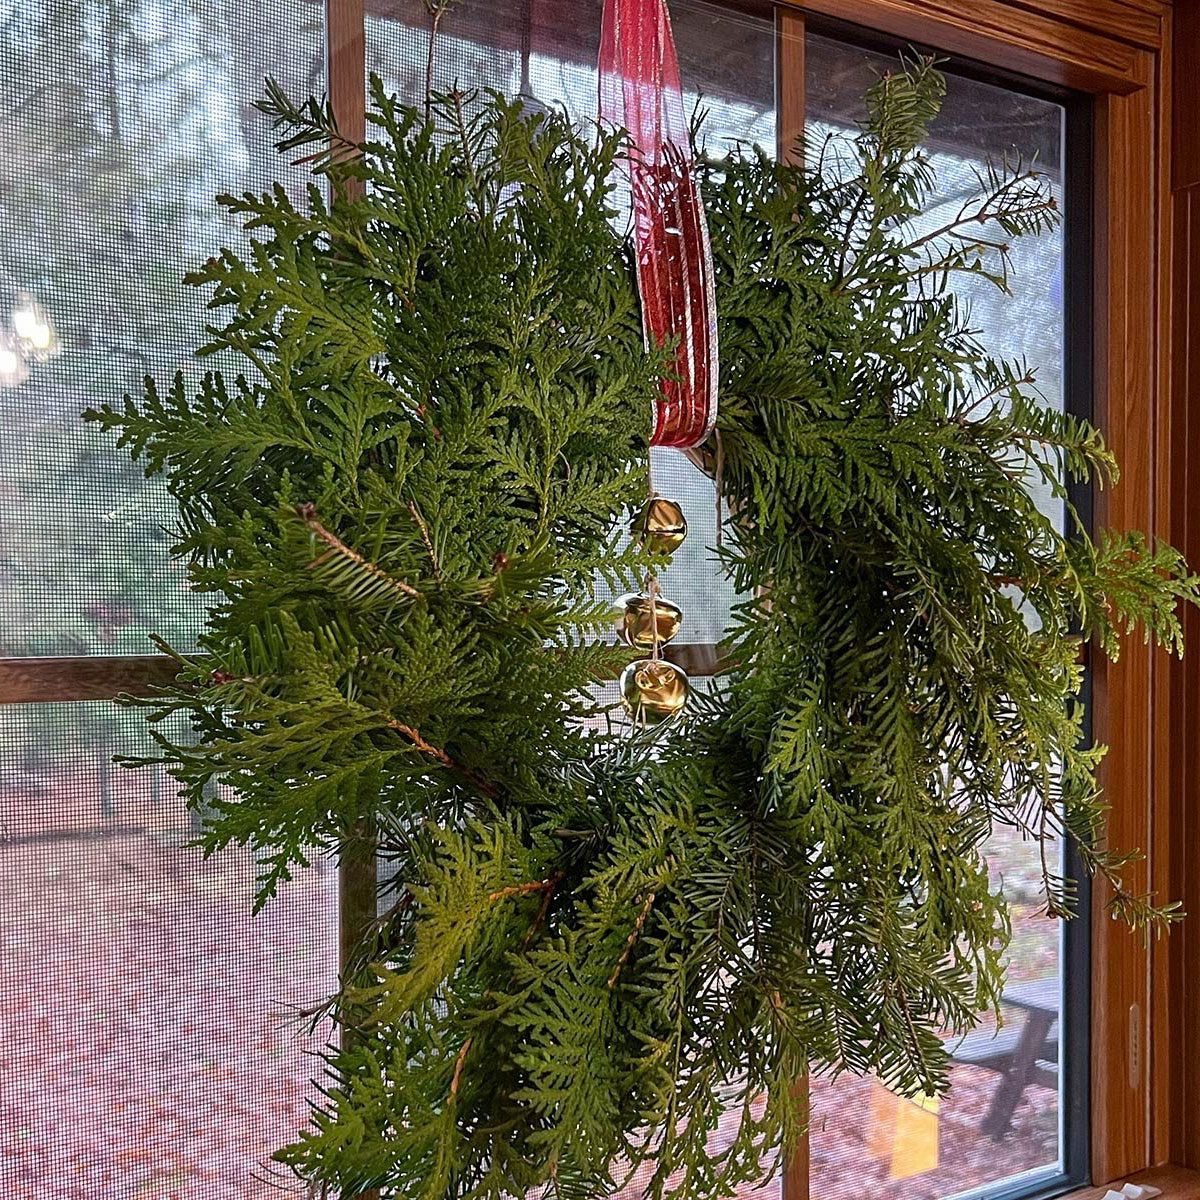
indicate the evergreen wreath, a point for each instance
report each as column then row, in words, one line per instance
column 597, row 941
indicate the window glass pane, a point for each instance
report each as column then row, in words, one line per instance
column 1001, row 1117
column 547, row 51
column 121, row 119
column 150, row 1040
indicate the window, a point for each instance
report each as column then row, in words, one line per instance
column 151, row 1042
column 1009, row 1121
column 146, row 1012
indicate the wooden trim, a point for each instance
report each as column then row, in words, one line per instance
column 1123, row 692
column 698, row 659
column 790, row 35
column 91, row 677
column 797, row 1182
column 100, row 677
column 789, row 83
column 346, row 65
column 1166, row 774
column 1027, row 41
column 1185, row 107
column 1176, row 1183
column 1137, row 25
column 357, row 889
column 1176, row 963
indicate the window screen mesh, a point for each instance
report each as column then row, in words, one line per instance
column 120, row 121
column 150, row 1040
column 1001, row 1116
column 147, row 1044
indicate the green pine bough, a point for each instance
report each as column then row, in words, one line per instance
column 595, row 944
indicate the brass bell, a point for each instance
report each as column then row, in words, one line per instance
column 635, row 628
column 653, row 690
column 660, row 526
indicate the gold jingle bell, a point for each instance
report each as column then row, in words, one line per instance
column 660, row 526
column 635, row 627
column 653, row 690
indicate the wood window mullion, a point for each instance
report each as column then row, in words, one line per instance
column 789, row 117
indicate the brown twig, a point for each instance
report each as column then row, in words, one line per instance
column 896, row 987
column 524, row 889
column 322, row 1009
column 1003, row 386
column 308, row 514
column 428, row 541
column 985, row 214
column 439, row 755
column 435, row 752
column 634, row 933
column 339, row 150
column 540, row 919
column 459, row 1063
column 437, row 9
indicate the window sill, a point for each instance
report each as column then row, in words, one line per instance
column 1177, row 1183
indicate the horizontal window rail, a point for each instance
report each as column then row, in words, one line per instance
column 105, row 677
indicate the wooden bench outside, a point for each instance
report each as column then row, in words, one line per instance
column 1020, row 1055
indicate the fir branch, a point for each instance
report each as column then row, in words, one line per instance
column 437, row 10
column 313, row 121
column 543, row 910
column 456, row 99
column 308, row 514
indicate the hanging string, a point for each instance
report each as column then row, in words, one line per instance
column 719, row 480
column 526, row 88
column 651, row 578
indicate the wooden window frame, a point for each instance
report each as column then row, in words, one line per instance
column 1145, row 1014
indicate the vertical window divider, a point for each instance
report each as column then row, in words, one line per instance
column 789, row 105
column 346, row 66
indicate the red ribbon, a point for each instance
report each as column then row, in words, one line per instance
column 640, row 90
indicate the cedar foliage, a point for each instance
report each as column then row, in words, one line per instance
column 596, row 943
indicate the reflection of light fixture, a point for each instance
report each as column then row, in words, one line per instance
column 34, row 329
column 13, row 368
